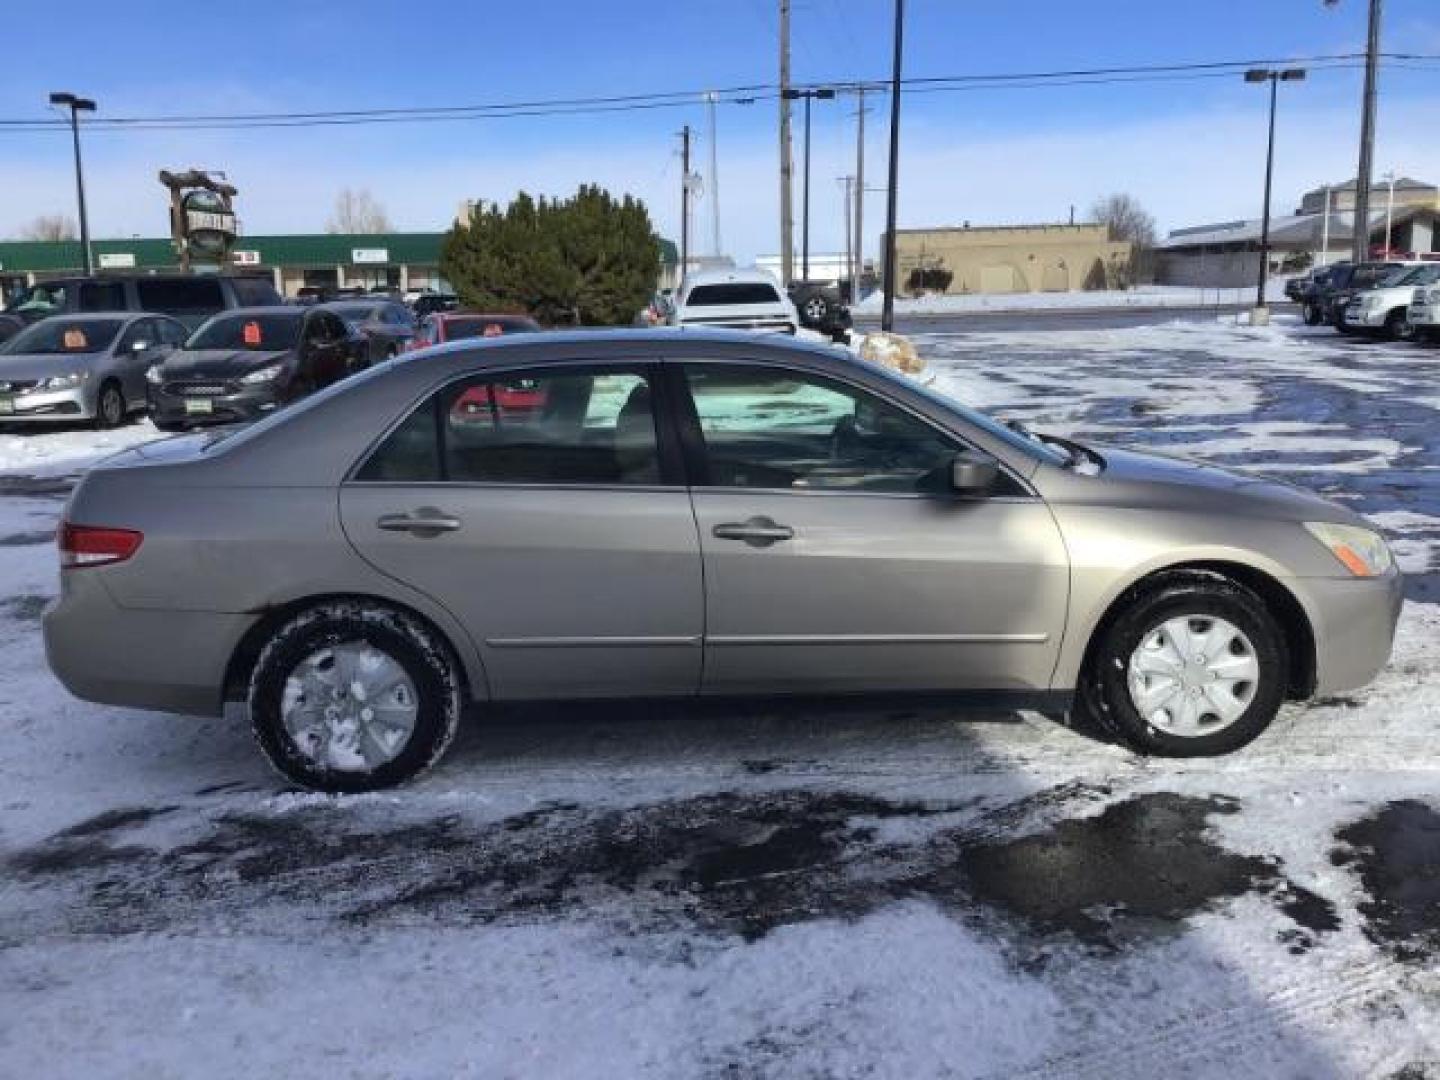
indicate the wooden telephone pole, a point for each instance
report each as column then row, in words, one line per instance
column 684, row 200
column 787, row 167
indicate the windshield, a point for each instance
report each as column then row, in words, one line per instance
column 270, row 332
column 740, row 292
column 40, row 299
column 1412, row 275
column 60, row 336
column 487, row 326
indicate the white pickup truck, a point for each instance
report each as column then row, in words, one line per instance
column 1388, row 308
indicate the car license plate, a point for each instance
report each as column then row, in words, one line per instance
column 7, row 406
column 199, row 405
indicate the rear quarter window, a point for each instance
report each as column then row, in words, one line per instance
column 197, row 296
column 739, row 292
column 254, row 292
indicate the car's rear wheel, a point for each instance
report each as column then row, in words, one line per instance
column 1195, row 665
column 110, row 406
column 1314, row 315
column 349, row 696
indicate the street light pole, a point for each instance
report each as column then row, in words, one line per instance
column 824, row 93
column 77, row 105
column 887, row 312
column 1274, row 78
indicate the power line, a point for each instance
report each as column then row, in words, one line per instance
column 735, row 95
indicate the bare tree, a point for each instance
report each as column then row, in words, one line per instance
column 357, row 212
column 1129, row 222
column 50, row 227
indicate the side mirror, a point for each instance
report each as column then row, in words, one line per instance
column 973, row 475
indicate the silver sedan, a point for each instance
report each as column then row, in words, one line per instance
column 70, row 368
column 652, row 514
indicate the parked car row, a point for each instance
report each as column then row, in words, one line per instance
column 1395, row 299
column 752, row 300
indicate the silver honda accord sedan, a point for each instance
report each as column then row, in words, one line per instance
column 670, row 514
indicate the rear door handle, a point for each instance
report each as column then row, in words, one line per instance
column 425, row 522
column 757, row 531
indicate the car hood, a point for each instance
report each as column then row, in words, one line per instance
column 219, row 363
column 28, row 367
column 1163, row 481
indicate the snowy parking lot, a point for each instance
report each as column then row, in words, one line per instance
column 685, row 891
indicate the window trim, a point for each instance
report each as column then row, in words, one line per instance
column 673, row 473
column 697, row 463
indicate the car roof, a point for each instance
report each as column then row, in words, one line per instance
column 458, row 313
column 715, row 277
column 271, row 309
column 555, row 341
column 98, row 316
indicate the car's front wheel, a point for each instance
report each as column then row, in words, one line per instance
column 110, row 406
column 349, row 696
column 1195, row 665
column 1314, row 315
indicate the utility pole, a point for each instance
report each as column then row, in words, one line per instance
column 714, row 179
column 684, row 200
column 787, row 222
column 849, row 182
column 1389, row 211
column 859, row 196
column 1274, row 78
column 887, row 312
column 1325, row 231
column 1361, row 247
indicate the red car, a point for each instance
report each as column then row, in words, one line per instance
column 455, row 325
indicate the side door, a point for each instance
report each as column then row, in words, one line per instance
column 545, row 507
column 837, row 557
column 322, row 356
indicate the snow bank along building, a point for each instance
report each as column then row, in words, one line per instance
column 1320, row 231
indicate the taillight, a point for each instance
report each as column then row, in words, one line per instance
column 89, row 545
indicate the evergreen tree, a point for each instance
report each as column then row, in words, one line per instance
column 588, row 260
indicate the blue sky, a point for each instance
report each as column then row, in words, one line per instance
column 1190, row 150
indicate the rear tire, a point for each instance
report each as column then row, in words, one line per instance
column 1314, row 316
column 318, row 724
column 1206, row 603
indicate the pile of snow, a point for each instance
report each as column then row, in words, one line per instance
column 1142, row 296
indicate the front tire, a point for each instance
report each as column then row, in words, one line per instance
column 1193, row 666
column 349, row 696
column 1397, row 326
column 110, row 406
column 1314, row 316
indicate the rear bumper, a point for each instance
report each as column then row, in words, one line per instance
column 1354, row 625
column 171, row 661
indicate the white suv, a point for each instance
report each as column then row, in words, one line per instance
column 735, row 299
column 1386, row 308
column 1425, row 308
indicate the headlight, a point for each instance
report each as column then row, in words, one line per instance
column 154, row 376
column 1361, row 551
column 269, row 373
column 64, row 382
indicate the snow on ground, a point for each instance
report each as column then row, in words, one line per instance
column 1141, row 296
column 677, row 891
column 38, row 452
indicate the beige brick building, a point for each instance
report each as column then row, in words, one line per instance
column 1013, row 258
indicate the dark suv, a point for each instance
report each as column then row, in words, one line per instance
column 1326, row 299
column 190, row 298
column 822, row 306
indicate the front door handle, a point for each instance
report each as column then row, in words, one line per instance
column 757, row 531
column 425, row 522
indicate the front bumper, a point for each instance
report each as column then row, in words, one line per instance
column 47, row 406
column 1363, row 318
column 1353, row 620
column 172, row 661
column 229, row 403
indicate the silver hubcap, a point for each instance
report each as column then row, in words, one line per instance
column 1193, row 675
column 349, row 707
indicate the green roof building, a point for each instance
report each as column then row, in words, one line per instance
column 329, row 260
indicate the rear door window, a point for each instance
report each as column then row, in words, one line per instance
column 102, row 296
column 254, row 292
column 590, row 426
column 186, row 298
